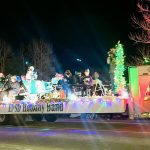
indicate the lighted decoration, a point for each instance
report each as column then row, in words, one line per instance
column 112, row 64
column 73, row 99
column 119, row 79
column 111, row 57
column 55, row 96
column 104, row 101
column 125, row 94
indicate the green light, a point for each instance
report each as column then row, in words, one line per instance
column 119, row 79
column 133, row 81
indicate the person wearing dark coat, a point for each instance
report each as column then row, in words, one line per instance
column 87, row 83
column 77, row 79
column 68, row 81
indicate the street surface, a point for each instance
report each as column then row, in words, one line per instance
column 76, row 134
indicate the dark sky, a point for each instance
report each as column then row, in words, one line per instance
column 76, row 28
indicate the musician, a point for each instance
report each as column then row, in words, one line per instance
column 2, row 81
column 58, row 79
column 77, row 79
column 77, row 83
column 97, row 88
column 68, row 81
column 87, row 83
column 68, row 77
column 14, row 86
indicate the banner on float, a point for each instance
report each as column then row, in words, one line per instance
column 64, row 107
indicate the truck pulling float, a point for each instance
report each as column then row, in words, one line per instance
column 44, row 102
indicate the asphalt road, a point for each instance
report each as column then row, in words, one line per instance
column 76, row 134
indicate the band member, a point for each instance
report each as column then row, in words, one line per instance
column 87, row 83
column 14, row 86
column 77, row 79
column 68, row 77
column 68, row 81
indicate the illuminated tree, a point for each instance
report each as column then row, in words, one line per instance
column 119, row 79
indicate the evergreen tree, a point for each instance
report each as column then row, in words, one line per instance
column 119, row 79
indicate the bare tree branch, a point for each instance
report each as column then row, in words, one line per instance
column 142, row 58
column 5, row 51
column 141, row 24
column 43, row 58
column 143, row 8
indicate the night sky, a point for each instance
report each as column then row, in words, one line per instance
column 75, row 28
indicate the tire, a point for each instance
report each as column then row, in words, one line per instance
column 37, row 117
column 50, row 117
column 4, row 119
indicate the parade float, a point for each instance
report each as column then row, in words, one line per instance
column 43, row 99
column 22, row 96
column 40, row 99
column 26, row 95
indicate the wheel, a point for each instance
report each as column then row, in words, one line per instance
column 50, row 118
column 4, row 119
column 37, row 117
